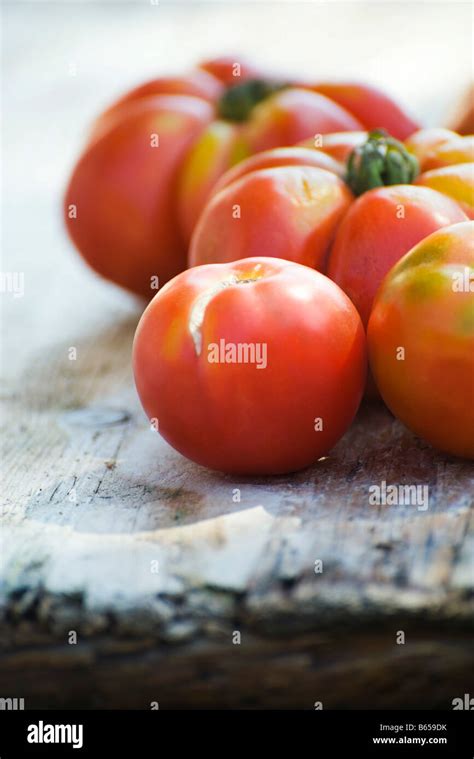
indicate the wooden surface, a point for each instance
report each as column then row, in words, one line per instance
column 149, row 559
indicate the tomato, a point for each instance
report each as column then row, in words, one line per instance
column 230, row 69
column 456, row 181
column 372, row 107
column 120, row 203
column 270, row 159
column 284, row 212
column 253, row 367
column 274, row 204
column 196, row 83
column 438, row 147
column 378, row 229
column 338, row 145
column 421, row 339
column 154, row 156
column 220, row 146
column 287, row 117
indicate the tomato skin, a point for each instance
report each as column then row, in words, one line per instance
column 271, row 159
column 457, row 181
column 196, row 83
column 338, row 145
column 286, row 212
column 292, row 115
column 118, row 232
column 124, row 191
column 418, row 308
column 223, row 68
column 373, row 236
column 438, row 147
column 236, row 417
column 372, row 107
column 219, row 147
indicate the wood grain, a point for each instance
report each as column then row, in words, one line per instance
column 93, row 496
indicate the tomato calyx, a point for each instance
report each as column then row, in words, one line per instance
column 379, row 162
column 239, row 100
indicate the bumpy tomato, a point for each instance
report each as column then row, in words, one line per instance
column 338, row 145
column 292, row 114
column 255, row 367
column 421, row 339
column 259, row 207
column 379, row 228
column 372, row 107
column 437, row 147
column 220, row 146
column 153, row 157
column 456, row 181
column 120, row 204
column 270, row 159
column 284, row 212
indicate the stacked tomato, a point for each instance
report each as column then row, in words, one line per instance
column 314, row 218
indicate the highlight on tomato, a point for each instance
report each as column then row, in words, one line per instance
column 421, row 339
column 252, row 367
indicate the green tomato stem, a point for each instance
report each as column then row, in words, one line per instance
column 379, row 162
column 238, row 101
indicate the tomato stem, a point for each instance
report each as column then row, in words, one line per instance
column 380, row 161
column 238, row 101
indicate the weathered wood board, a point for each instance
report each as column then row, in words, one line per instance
column 157, row 565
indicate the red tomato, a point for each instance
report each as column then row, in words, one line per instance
column 231, row 69
column 379, row 228
column 131, row 204
column 372, row 107
column 120, row 204
column 286, row 212
column 291, row 115
column 255, row 367
column 270, row 159
column 220, row 146
column 338, row 145
column 196, row 83
column 273, row 203
column 421, row 339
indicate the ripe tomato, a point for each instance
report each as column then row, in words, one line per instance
column 230, row 69
column 338, row 145
column 379, row 228
column 270, row 159
column 132, row 203
column 285, row 212
column 196, row 84
column 373, row 108
column 421, row 339
column 254, row 367
column 437, row 147
column 220, row 146
column 289, row 116
column 120, row 204
column 273, row 203
column 457, row 181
